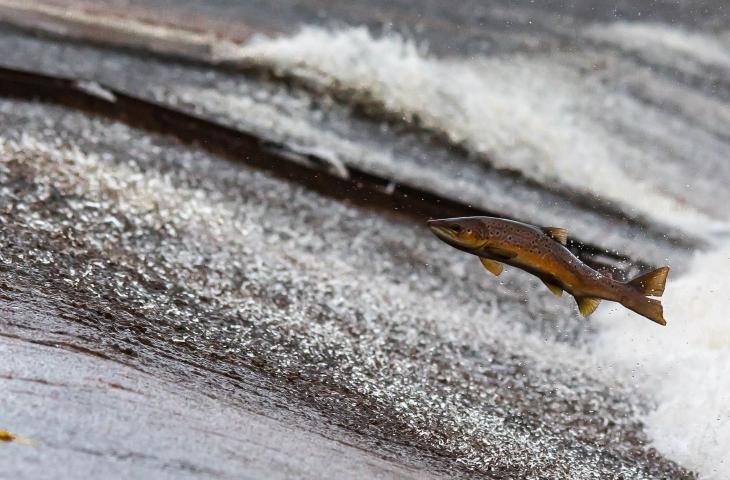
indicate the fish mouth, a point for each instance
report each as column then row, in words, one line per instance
column 438, row 229
column 444, row 233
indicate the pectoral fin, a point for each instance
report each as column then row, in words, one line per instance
column 557, row 291
column 492, row 265
column 587, row 305
column 558, row 234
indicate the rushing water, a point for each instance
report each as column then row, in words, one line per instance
column 628, row 117
column 575, row 119
column 685, row 368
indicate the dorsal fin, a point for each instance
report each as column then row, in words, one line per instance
column 557, row 291
column 651, row 283
column 558, row 234
column 587, row 305
column 492, row 265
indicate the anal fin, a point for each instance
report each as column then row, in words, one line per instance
column 587, row 305
column 557, row 291
column 492, row 265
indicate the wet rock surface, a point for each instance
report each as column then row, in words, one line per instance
column 88, row 414
column 175, row 261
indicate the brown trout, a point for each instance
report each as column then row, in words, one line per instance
column 541, row 251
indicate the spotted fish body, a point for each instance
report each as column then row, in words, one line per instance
column 542, row 252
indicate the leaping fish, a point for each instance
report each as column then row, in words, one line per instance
column 541, row 251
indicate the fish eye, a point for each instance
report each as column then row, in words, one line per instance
column 456, row 228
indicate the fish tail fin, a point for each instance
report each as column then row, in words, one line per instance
column 651, row 308
column 651, row 284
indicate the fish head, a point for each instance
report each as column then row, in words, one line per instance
column 464, row 233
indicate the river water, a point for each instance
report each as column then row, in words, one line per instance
column 610, row 122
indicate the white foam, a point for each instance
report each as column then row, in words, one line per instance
column 664, row 42
column 685, row 366
column 540, row 117
column 522, row 113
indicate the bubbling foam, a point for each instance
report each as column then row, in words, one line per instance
column 683, row 366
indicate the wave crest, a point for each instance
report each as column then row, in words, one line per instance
column 531, row 115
